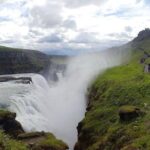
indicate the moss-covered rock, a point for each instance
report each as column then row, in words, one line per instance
column 19, row 140
column 42, row 141
column 4, row 115
column 9, row 124
column 128, row 113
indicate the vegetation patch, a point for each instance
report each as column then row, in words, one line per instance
column 118, row 112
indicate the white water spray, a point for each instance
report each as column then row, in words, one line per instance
column 60, row 107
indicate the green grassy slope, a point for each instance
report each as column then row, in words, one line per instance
column 120, row 88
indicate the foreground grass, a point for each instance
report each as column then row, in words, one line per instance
column 6, row 143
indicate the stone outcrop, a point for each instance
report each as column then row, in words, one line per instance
column 23, row 80
column 147, row 68
column 30, row 141
column 9, row 124
column 142, row 35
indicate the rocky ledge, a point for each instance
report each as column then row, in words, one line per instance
column 23, row 80
column 13, row 137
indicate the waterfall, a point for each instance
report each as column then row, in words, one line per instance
column 59, row 107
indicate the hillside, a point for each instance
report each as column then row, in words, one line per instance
column 22, row 61
column 118, row 113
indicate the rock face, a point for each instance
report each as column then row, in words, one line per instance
column 23, row 80
column 9, row 124
column 22, row 61
column 18, row 139
column 142, row 35
column 147, row 68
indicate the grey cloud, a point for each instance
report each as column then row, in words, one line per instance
column 69, row 23
column 138, row 1
column 7, row 41
column 75, row 48
column 128, row 29
column 2, row 1
column 46, row 16
column 35, row 32
column 85, row 37
column 121, row 36
column 53, row 38
column 80, row 3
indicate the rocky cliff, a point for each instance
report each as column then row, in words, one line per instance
column 118, row 113
column 22, row 61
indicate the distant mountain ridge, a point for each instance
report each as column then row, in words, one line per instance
column 144, row 34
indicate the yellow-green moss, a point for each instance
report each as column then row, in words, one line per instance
column 6, row 143
column 50, row 142
column 6, row 114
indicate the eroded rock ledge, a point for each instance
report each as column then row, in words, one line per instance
column 23, row 80
column 12, row 136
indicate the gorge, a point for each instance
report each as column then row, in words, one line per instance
column 56, row 106
column 60, row 91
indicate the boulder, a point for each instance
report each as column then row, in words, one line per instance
column 13, row 128
column 9, row 124
column 128, row 113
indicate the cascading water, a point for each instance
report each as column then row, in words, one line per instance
column 59, row 107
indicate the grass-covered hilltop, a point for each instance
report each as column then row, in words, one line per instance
column 118, row 113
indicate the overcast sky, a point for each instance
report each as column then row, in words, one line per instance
column 71, row 25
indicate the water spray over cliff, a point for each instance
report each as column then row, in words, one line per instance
column 59, row 107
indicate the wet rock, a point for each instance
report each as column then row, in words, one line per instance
column 6, row 115
column 6, row 78
column 147, row 68
column 12, row 127
column 79, row 127
column 142, row 60
column 9, row 124
column 128, row 113
column 23, row 80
